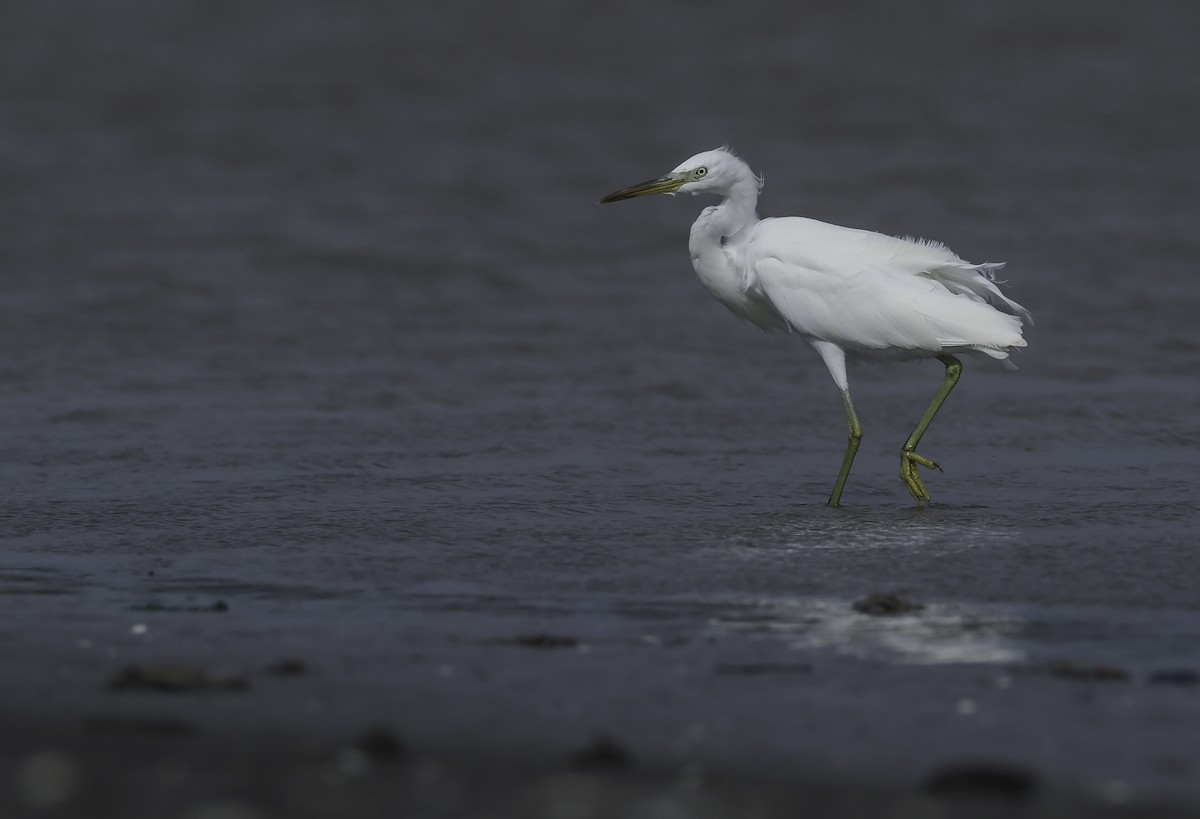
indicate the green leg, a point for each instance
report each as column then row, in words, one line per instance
column 851, row 450
column 909, row 459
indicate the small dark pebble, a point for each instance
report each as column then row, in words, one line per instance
column 382, row 745
column 982, row 780
column 541, row 641
column 139, row 726
column 287, row 668
column 173, row 679
column 604, row 753
column 1175, row 676
column 883, row 605
column 753, row 669
column 1097, row 673
column 155, row 605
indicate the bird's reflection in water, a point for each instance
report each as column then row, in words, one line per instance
column 936, row 633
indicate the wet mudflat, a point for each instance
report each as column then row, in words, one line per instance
column 355, row 462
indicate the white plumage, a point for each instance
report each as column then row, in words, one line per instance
column 846, row 291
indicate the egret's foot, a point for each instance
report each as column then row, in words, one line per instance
column 909, row 461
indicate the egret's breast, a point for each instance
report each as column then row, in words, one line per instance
column 719, row 270
column 718, row 249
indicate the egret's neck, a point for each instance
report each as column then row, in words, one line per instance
column 726, row 222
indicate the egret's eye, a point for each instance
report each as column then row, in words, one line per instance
column 701, row 172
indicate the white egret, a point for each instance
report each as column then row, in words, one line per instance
column 847, row 292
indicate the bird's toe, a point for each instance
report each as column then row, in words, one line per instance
column 909, row 461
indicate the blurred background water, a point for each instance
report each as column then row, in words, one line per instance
column 309, row 307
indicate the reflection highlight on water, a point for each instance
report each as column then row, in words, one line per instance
column 937, row 634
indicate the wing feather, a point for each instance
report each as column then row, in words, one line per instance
column 879, row 295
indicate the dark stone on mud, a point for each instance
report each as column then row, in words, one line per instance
column 604, row 753
column 987, row 780
column 1175, row 676
column 884, row 605
column 541, row 641
column 175, row 679
column 219, row 606
column 1096, row 673
column 382, row 745
column 287, row 667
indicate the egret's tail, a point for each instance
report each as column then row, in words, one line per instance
column 978, row 283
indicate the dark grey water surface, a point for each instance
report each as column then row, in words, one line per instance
column 308, row 308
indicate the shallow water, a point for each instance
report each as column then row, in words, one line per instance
column 312, row 312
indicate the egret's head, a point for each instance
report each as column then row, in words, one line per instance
column 708, row 172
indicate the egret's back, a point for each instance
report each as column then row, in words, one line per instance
column 879, row 296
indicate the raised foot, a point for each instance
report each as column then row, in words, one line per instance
column 909, row 461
